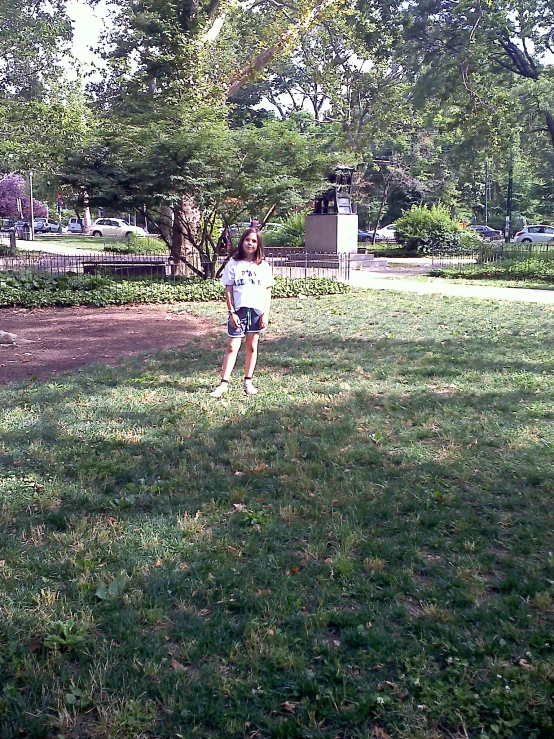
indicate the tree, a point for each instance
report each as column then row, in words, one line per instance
column 13, row 195
column 227, row 173
column 483, row 49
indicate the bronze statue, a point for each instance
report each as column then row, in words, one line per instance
column 338, row 198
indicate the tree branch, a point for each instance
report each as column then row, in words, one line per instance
column 260, row 62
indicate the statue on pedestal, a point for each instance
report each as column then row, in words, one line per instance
column 338, row 198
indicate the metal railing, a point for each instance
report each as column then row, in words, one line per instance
column 493, row 253
column 285, row 263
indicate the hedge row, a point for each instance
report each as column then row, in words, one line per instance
column 30, row 290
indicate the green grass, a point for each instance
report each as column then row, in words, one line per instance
column 532, row 284
column 363, row 549
column 72, row 241
column 140, row 245
column 522, row 266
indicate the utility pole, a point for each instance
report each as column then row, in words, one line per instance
column 31, row 208
column 486, row 193
column 509, row 203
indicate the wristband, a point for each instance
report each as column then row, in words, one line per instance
column 232, row 312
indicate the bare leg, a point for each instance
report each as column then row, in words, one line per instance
column 233, row 346
column 250, row 363
column 251, row 354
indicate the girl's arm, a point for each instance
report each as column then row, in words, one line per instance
column 230, row 306
column 264, row 319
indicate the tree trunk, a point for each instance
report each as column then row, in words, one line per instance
column 166, row 223
column 185, row 235
column 550, row 125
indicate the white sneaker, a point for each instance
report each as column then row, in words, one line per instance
column 220, row 390
column 249, row 388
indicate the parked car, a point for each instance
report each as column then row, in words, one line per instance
column 54, row 228
column 7, row 224
column 41, row 225
column 75, row 225
column 534, row 234
column 387, row 232
column 364, row 236
column 114, row 227
column 486, row 231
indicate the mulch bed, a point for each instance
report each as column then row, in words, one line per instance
column 67, row 338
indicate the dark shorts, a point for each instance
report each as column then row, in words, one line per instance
column 249, row 323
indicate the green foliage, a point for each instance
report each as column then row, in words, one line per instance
column 65, row 635
column 136, row 245
column 424, row 229
column 33, row 290
column 471, row 241
column 292, row 232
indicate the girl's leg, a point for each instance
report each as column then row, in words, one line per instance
column 233, row 346
column 250, row 362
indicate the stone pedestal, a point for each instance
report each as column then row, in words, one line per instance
column 332, row 233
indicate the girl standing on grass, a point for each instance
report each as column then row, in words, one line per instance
column 248, row 281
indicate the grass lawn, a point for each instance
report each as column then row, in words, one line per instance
column 365, row 549
column 73, row 241
column 141, row 245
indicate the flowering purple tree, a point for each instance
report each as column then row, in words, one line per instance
column 12, row 188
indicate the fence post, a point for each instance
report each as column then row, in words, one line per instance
column 13, row 245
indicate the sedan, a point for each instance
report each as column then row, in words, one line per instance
column 114, row 227
column 364, row 236
column 486, row 231
column 387, row 232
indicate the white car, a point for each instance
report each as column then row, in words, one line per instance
column 114, row 227
column 387, row 232
column 534, row 234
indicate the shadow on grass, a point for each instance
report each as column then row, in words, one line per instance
column 319, row 561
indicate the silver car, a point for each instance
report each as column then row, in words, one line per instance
column 534, row 234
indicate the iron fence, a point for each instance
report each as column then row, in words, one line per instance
column 293, row 263
column 524, row 255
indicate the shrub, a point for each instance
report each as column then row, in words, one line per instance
column 471, row 241
column 292, row 233
column 424, row 230
column 30, row 290
column 134, row 244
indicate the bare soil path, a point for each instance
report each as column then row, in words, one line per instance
column 67, row 338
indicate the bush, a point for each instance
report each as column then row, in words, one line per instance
column 292, row 233
column 471, row 241
column 30, row 290
column 134, row 244
column 424, row 230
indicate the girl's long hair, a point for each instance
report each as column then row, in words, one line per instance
column 258, row 254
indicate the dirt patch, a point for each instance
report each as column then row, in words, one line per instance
column 67, row 338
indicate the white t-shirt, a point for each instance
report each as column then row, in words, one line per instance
column 250, row 282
